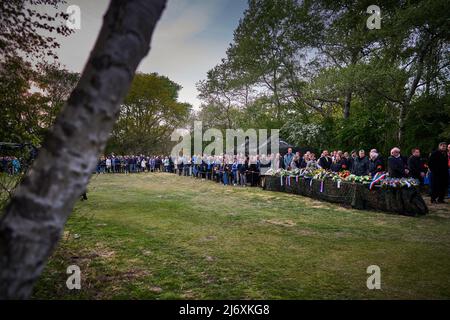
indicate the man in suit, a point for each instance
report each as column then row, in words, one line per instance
column 325, row 160
column 416, row 165
column 438, row 164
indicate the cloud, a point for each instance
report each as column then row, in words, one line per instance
column 190, row 39
column 183, row 19
column 182, row 49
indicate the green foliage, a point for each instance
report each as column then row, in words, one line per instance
column 56, row 84
column 31, row 99
column 427, row 123
column 149, row 114
column 32, row 90
column 315, row 70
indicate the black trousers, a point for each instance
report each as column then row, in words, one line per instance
column 439, row 185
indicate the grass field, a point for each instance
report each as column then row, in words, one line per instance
column 159, row 236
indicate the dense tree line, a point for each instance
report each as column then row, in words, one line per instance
column 314, row 69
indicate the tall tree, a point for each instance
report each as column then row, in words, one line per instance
column 56, row 83
column 148, row 115
column 416, row 40
column 35, row 216
column 266, row 46
column 342, row 41
column 28, row 35
column 221, row 92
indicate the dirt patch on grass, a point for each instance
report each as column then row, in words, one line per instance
column 342, row 208
column 156, row 289
column 101, row 276
column 123, row 276
column 306, row 232
column 188, row 294
column 341, row 234
column 99, row 251
column 441, row 210
column 281, row 222
column 147, row 253
column 208, row 238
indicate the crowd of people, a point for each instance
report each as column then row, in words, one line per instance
column 244, row 170
column 236, row 170
column 433, row 170
column 10, row 165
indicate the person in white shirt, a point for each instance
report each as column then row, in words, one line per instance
column 108, row 165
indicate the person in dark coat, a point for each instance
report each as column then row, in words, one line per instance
column 325, row 160
column 338, row 164
column 351, row 159
column 345, row 160
column 438, row 164
column 416, row 166
column 305, row 160
column 296, row 161
column 397, row 165
column 254, row 172
column 375, row 162
column 360, row 165
column 243, row 169
column 226, row 174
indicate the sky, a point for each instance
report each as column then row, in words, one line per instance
column 191, row 38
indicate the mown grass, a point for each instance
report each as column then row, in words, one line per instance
column 159, row 236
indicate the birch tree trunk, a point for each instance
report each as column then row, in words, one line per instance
column 34, row 218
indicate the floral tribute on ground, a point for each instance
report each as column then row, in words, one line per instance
column 380, row 192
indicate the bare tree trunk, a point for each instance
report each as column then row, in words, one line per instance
column 404, row 107
column 401, row 123
column 35, row 217
column 347, row 103
column 349, row 93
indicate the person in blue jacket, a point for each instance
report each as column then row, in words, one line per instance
column 234, row 170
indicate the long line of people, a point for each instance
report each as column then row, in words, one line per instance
column 244, row 170
column 237, row 170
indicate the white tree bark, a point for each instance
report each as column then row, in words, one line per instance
column 35, row 217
